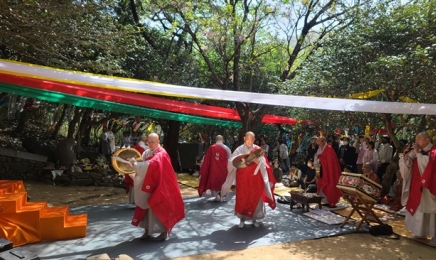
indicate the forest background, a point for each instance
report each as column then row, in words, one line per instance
column 375, row 50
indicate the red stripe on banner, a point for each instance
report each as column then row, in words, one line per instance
column 138, row 99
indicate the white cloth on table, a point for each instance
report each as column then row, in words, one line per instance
column 56, row 172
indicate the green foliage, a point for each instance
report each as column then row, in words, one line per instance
column 79, row 35
column 389, row 47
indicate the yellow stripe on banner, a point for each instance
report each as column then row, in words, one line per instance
column 91, row 75
column 408, row 100
column 160, row 89
column 366, row 94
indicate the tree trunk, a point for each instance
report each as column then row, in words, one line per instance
column 59, row 123
column 388, row 122
column 84, row 124
column 64, row 152
column 249, row 119
column 73, row 123
column 171, row 141
column 86, row 138
column 24, row 117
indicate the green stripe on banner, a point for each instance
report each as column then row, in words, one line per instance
column 57, row 97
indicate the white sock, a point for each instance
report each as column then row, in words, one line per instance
column 241, row 223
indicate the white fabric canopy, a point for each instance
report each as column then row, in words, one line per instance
column 337, row 104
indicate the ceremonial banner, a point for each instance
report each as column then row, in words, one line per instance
column 137, row 99
column 111, row 106
column 118, row 83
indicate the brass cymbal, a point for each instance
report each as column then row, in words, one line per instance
column 126, row 154
column 243, row 160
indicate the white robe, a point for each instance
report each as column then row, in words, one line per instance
column 143, row 145
column 150, row 222
column 131, row 190
column 111, row 137
column 231, row 178
column 423, row 222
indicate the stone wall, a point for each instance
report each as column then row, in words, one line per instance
column 16, row 165
column 12, row 168
column 85, row 178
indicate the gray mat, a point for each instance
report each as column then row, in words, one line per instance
column 208, row 227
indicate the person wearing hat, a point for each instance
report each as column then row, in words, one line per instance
column 347, row 154
column 254, row 183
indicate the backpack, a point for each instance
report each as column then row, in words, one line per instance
column 383, row 230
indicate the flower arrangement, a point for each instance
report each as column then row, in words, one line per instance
column 101, row 164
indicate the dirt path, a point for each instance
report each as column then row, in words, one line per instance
column 353, row 246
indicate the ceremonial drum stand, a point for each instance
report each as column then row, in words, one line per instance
column 362, row 193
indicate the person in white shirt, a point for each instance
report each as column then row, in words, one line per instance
column 284, row 157
column 385, row 153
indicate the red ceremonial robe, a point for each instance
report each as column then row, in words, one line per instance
column 427, row 180
column 250, row 187
column 127, row 179
column 165, row 199
column 213, row 172
column 139, row 148
column 331, row 172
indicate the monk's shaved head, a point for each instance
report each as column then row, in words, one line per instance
column 249, row 133
column 153, row 137
column 153, row 141
column 143, row 138
column 424, row 135
column 249, row 139
column 422, row 140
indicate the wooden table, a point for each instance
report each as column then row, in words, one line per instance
column 304, row 199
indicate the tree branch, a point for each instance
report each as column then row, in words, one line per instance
column 144, row 33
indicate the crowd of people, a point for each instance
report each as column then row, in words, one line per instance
column 248, row 168
column 352, row 153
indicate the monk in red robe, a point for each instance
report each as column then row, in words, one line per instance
column 254, row 184
column 159, row 203
column 418, row 169
column 141, row 146
column 213, row 170
column 330, row 172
